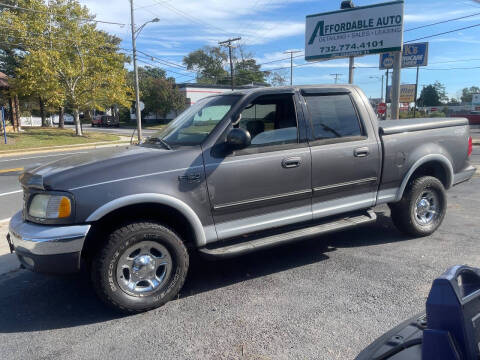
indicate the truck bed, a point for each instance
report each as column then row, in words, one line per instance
column 389, row 127
column 409, row 143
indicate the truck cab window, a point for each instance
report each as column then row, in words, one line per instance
column 270, row 120
column 333, row 116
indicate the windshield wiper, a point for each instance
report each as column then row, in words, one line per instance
column 156, row 140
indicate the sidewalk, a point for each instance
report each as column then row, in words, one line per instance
column 8, row 262
column 124, row 140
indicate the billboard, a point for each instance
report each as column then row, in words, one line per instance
column 407, row 93
column 358, row 31
column 413, row 55
column 476, row 99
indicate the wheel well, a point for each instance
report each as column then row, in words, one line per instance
column 163, row 214
column 432, row 168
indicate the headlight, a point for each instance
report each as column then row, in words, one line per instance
column 46, row 206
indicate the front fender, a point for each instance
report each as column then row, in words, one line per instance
column 200, row 236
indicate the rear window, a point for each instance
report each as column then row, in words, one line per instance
column 333, row 116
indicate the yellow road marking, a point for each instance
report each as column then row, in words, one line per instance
column 4, row 171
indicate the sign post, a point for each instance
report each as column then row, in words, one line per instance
column 413, row 55
column 3, row 123
column 416, row 94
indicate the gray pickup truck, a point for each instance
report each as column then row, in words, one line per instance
column 234, row 173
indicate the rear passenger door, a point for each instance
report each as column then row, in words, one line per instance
column 345, row 152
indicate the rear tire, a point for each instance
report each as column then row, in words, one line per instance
column 141, row 267
column 422, row 208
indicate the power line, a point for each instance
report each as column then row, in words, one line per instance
column 442, row 22
column 49, row 13
column 336, row 76
column 165, row 61
column 188, row 16
column 442, row 33
column 458, row 68
column 174, row 72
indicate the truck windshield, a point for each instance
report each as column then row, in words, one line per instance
column 194, row 125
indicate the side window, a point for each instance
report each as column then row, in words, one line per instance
column 270, row 120
column 333, row 116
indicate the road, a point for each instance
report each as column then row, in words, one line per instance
column 325, row 298
column 10, row 169
column 113, row 130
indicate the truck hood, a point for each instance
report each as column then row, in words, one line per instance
column 99, row 166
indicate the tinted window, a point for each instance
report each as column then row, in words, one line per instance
column 194, row 125
column 270, row 120
column 333, row 116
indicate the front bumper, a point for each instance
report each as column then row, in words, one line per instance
column 47, row 248
column 464, row 175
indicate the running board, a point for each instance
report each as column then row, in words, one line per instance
column 244, row 247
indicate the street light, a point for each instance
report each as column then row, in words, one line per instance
column 135, row 33
column 378, row 77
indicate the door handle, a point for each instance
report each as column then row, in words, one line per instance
column 361, row 152
column 291, row 162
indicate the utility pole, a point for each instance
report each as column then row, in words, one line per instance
column 397, row 66
column 291, row 52
column 336, row 75
column 381, row 88
column 348, row 4
column 351, row 66
column 416, row 94
column 228, row 43
column 135, row 33
column 138, row 112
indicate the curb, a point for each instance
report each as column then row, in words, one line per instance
column 65, row 148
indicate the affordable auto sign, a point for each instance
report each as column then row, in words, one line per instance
column 353, row 32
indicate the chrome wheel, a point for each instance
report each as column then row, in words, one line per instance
column 144, row 268
column 427, row 207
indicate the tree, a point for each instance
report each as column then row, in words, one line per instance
column 441, row 91
column 212, row 66
column 209, row 63
column 277, row 79
column 453, row 101
column 158, row 92
column 433, row 95
column 79, row 64
column 467, row 94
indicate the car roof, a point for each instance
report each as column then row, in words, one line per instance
column 272, row 90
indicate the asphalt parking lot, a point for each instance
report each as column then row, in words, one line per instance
column 325, row 298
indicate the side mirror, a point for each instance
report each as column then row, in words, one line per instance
column 238, row 139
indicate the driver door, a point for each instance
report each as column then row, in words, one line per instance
column 267, row 184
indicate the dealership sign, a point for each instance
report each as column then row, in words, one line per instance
column 413, row 55
column 357, row 31
column 407, row 93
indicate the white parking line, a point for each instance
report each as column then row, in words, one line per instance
column 43, row 156
column 11, row 192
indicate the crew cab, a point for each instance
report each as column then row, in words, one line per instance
column 234, row 173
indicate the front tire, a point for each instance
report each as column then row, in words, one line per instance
column 422, row 208
column 141, row 267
